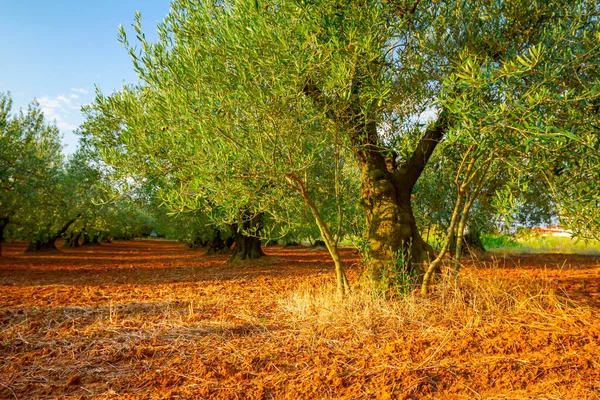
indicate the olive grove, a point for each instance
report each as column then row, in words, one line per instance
column 246, row 107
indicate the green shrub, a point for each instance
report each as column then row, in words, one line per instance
column 532, row 242
column 495, row 242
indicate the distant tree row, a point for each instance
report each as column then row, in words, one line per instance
column 376, row 119
column 45, row 196
column 425, row 113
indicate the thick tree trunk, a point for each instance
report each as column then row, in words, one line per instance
column 387, row 187
column 105, row 239
column 90, row 240
column 86, row 240
column 247, row 247
column 386, row 199
column 72, row 240
column 42, row 245
column 50, row 244
column 391, row 226
column 75, row 242
column 473, row 241
column 3, row 224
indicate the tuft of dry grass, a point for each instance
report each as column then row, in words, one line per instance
column 458, row 303
column 475, row 336
column 477, row 332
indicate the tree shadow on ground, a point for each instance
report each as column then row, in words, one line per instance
column 156, row 263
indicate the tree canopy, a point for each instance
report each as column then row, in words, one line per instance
column 243, row 104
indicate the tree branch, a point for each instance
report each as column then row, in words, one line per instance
column 411, row 170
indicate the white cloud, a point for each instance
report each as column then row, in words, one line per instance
column 50, row 113
column 73, row 96
column 47, row 102
column 63, row 98
column 65, row 126
column 80, row 90
column 59, row 109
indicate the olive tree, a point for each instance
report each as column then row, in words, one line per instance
column 240, row 99
column 30, row 169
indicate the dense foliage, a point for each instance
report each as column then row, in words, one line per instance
column 246, row 105
column 284, row 120
column 44, row 196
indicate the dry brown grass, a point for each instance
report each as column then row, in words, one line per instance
column 466, row 328
column 197, row 328
column 468, row 302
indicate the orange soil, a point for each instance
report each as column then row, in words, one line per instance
column 153, row 319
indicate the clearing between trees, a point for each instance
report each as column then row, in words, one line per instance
column 154, row 319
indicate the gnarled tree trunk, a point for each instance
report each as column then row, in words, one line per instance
column 50, row 244
column 386, row 198
column 386, row 187
column 72, row 240
column 42, row 245
column 247, row 246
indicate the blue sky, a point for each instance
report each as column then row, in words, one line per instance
column 57, row 50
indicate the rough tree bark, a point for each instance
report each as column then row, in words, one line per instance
column 247, row 247
column 41, row 245
column 386, row 196
column 387, row 187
